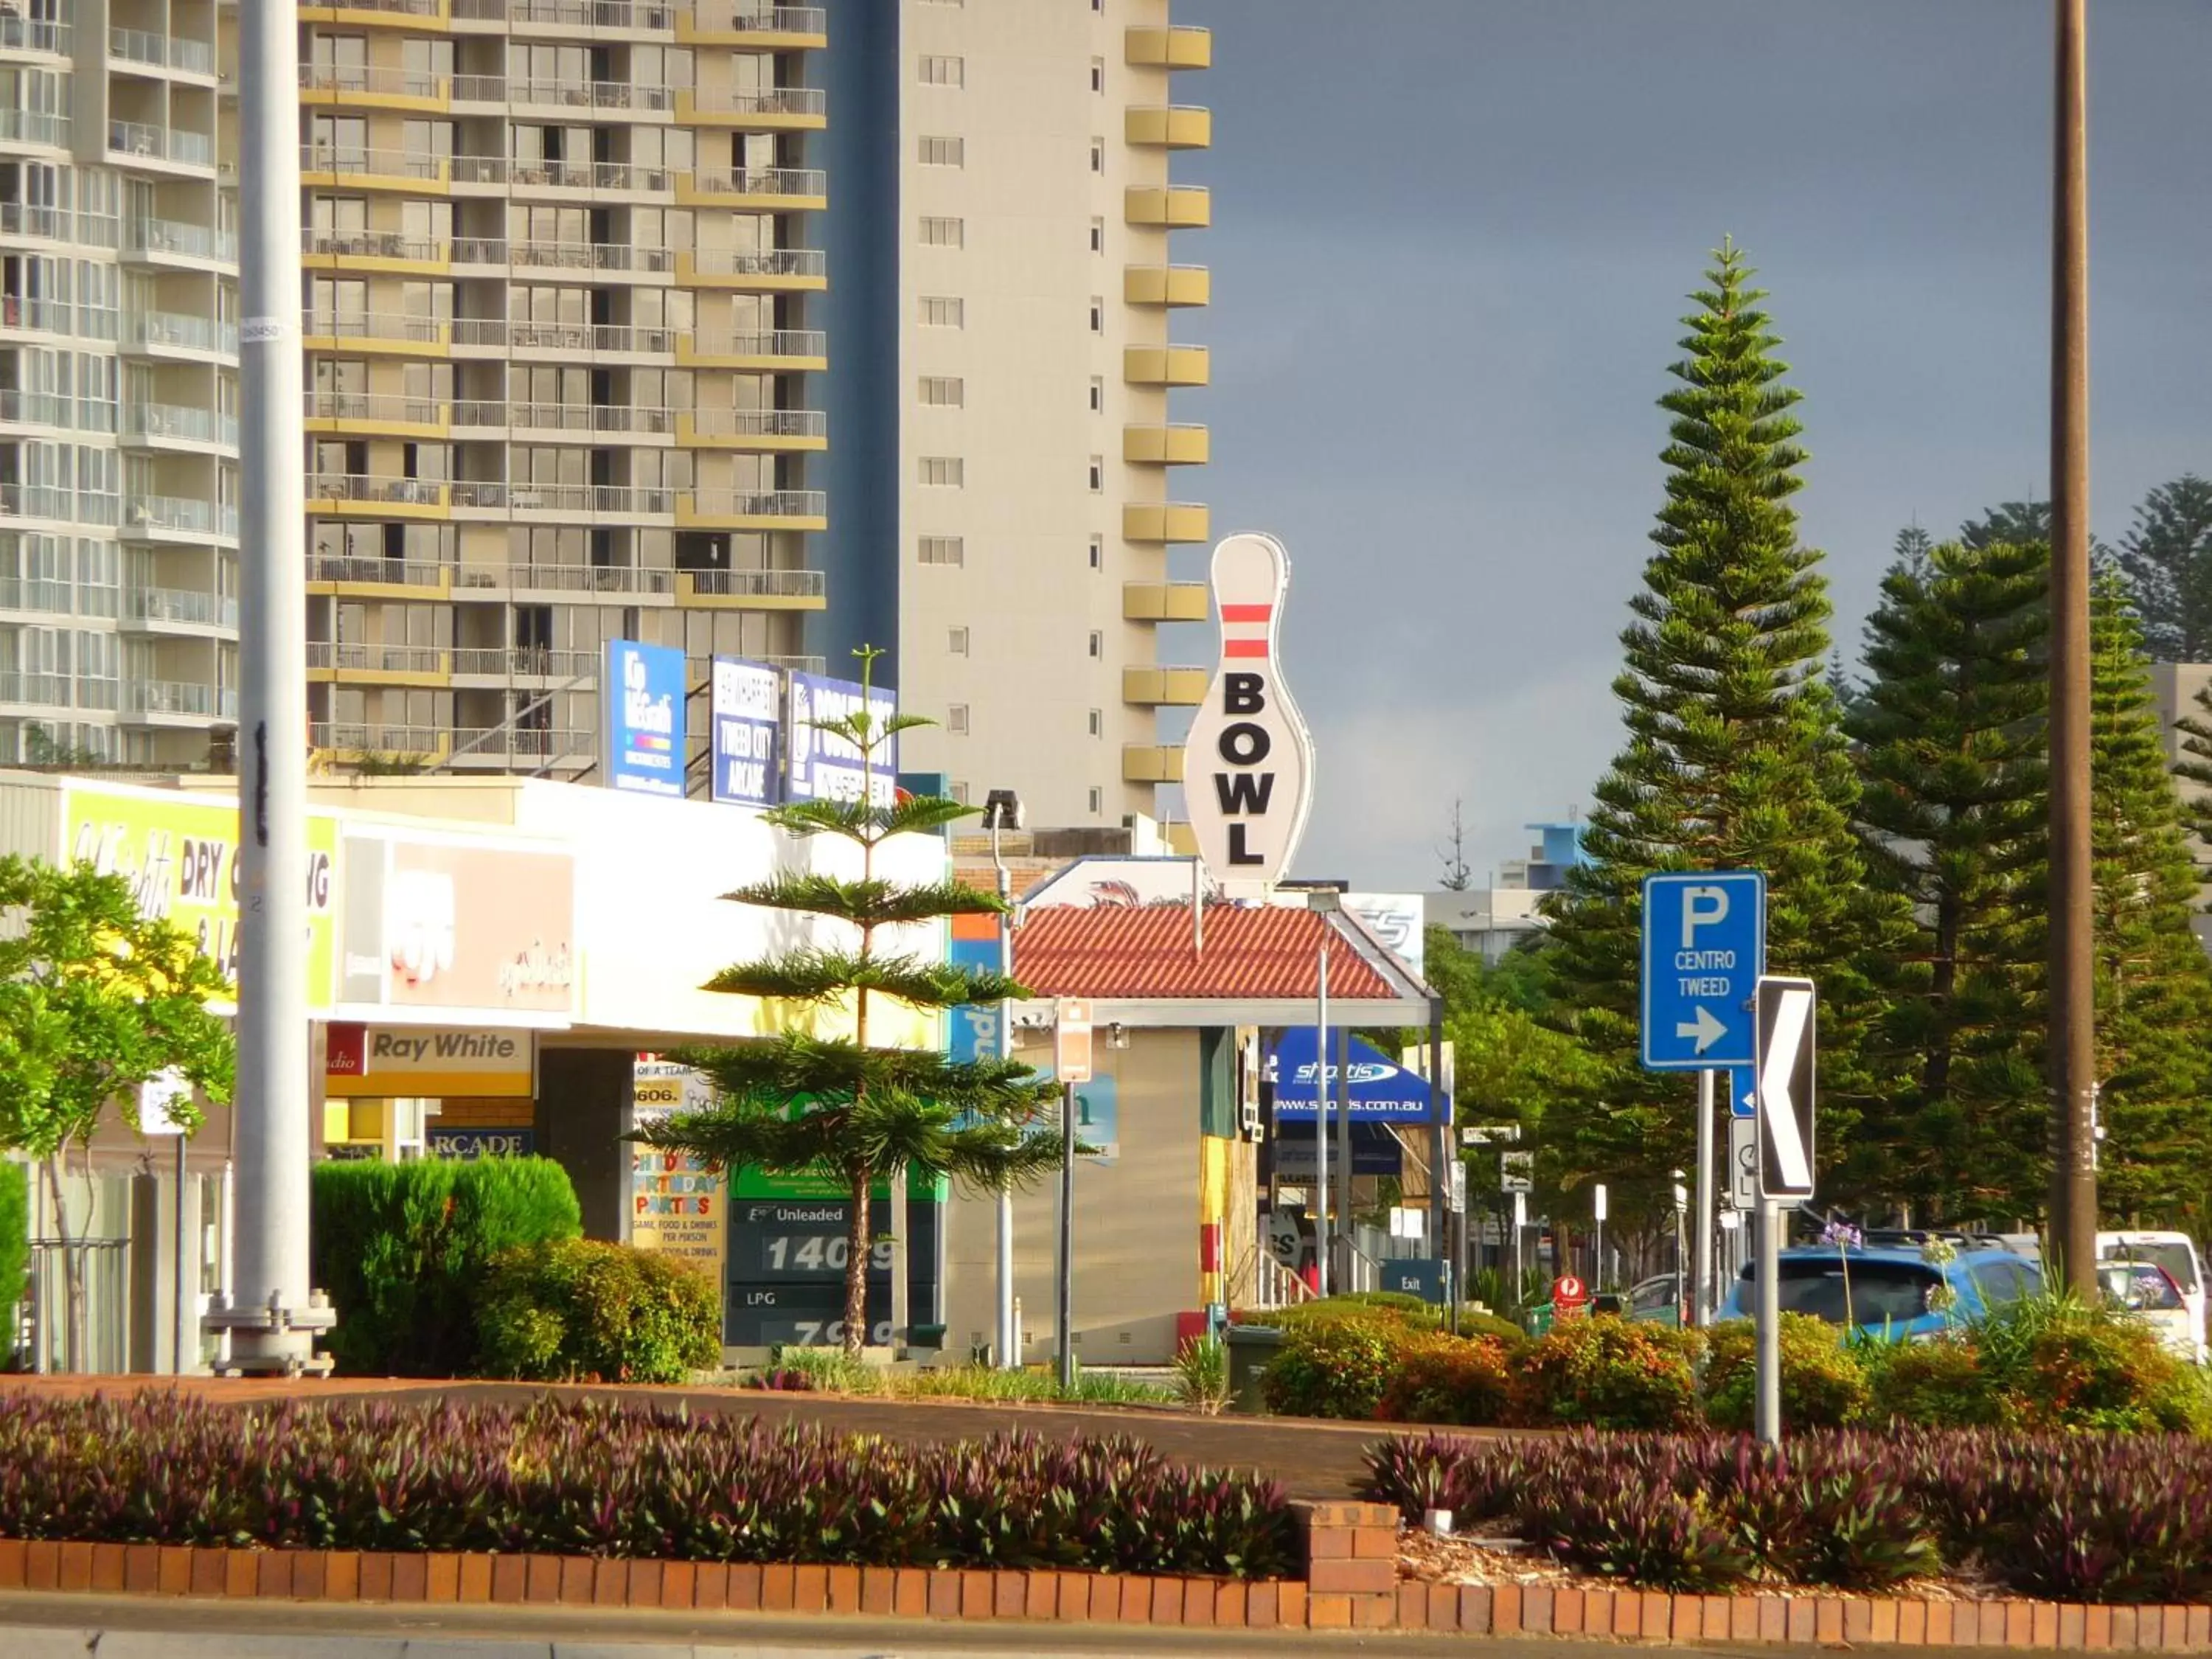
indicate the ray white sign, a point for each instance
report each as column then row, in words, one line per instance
column 1247, row 781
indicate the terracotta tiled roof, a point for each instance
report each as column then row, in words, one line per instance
column 1114, row 952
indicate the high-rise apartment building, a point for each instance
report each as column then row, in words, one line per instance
column 749, row 329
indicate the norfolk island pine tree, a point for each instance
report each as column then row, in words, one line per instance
column 839, row 1107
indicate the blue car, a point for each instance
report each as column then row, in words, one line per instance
column 1886, row 1290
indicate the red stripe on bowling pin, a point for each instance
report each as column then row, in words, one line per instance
column 1245, row 648
column 1247, row 613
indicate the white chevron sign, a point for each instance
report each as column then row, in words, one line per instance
column 1784, row 1021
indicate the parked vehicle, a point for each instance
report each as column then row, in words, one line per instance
column 1657, row 1299
column 1890, row 1290
column 2177, row 1254
column 2146, row 1288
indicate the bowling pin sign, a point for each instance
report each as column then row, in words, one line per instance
column 1247, row 761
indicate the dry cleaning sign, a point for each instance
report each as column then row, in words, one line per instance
column 1248, row 780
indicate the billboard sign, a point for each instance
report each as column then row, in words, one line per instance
column 1396, row 919
column 643, row 718
column 1379, row 1090
column 827, row 766
column 678, row 1204
column 1249, row 771
column 436, row 1062
column 747, row 711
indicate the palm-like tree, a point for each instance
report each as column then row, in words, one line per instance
column 841, row 1107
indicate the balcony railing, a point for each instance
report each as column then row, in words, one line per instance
column 136, row 138
column 359, row 739
column 326, row 406
column 523, row 743
column 155, row 329
column 375, row 326
column 759, row 504
column 567, row 498
column 181, row 515
column 37, row 690
column 561, row 175
column 527, row 336
column 717, row 15
column 356, row 159
column 180, row 605
column 178, row 237
column 759, row 262
column 179, row 697
column 759, row 422
column 378, row 658
column 187, row 423
column 44, row 597
column 762, row 182
column 524, row 663
column 20, row 33
column 376, row 573
column 565, row 578
column 46, row 408
column 162, row 51
column 367, row 487
column 758, row 584
column 760, row 100
column 765, row 343
column 21, row 501
column 30, row 126
column 377, row 245
column 365, row 78
column 571, row 14
column 562, row 418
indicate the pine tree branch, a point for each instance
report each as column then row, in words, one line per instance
column 867, row 903
column 813, row 975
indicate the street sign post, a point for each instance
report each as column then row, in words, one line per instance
column 1743, row 1165
column 1704, row 946
column 1516, row 1172
column 1071, row 1065
column 1785, row 1025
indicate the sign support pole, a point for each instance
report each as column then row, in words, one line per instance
column 184, row 1325
column 1348, row 1280
column 1701, row 1305
column 1769, row 1279
column 1067, row 1310
column 1321, row 1124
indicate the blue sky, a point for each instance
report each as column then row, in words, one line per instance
column 1450, row 243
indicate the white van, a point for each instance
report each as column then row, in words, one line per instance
column 2177, row 1254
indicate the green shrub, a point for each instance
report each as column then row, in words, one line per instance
column 14, row 1233
column 1448, row 1379
column 1201, row 1370
column 1824, row 1386
column 1609, row 1374
column 403, row 1249
column 1938, row 1384
column 1331, row 1367
column 1504, row 1331
column 582, row 1310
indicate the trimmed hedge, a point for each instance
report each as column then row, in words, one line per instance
column 578, row 1309
column 580, row 1479
column 405, row 1250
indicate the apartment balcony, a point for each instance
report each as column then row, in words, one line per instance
column 750, row 590
column 770, row 109
column 177, row 702
column 1164, row 521
column 21, row 691
column 495, row 417
column 562, row 342
column 526, row 667
column 753, row 428
column 756, row 190
column 362, row 86
column 60, row 505
column 389, row 334
column 1168, row 126
column 746, row 509
column 182, row 519
column 511, row 748
column 773, row 270
column 1152, row 762
column 783, row 351
column 370, row 253
column 176, row 242
column 339, row 495
column 1164, row 602
column 1167, row 285
column 417, row 666
column 339, row 576
column 1177, row 47
column 375, row 415
column 496, row 174
column 755, row 26
column 496, row 253
column 1166, row 445
column 135, row 144
column 1173, row 207
column 1166, row 366
column 142, row 49
column 554, row 503
column 24, row 126
column 342, row 743
column 22, row 34
column 574, row 584
column 178, row 610
column 176, row 336
column 38, row 595
column 569, row 97
column 565, row 16
column 1164, row 687
column 357, row 168
column 189, row 429
column 51, row 412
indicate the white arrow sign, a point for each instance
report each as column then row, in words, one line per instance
column 1785, row 1087
column 1704, row 1028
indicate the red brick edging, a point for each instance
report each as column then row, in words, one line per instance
column 1352, row 1581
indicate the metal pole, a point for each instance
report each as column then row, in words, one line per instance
column 1067, row 1236
column 1008, row 1351
column 273, row 1322
column 2073, row 1029
column 1348, row 1279
column 184, row 1363
column 1440, row 1149
column 1321, row 1121
column 1701, row 1293
column 1769, row 1334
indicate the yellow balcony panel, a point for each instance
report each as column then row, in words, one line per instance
column 1152, row 762
column 1163, row 521
column 351, row 168
column 335, row 495
column 756, row 28
column 375, row 97
column 748, row 509
column 772, row 429
column 354, row 334
column 1164, row 602
column 750, row 590
column 773, row 109
column 1174, row 207
column 756, row 190
column 764, row 271
column 1156, row 688
column 1177, row 47
column 1168, row 126
column 1167, row 285
column 422, row 667
column 416, row 16
column 1166, row 445
column 375, row 415
column 784, row 350
column 1166, row 366
column 340, row 576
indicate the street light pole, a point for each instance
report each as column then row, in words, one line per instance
column 1003, row 810
column 2073, row 1022
column 1325, row 902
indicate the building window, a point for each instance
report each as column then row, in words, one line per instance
column 1097, row 395
column 1097, row 235
column 1097, row 315
column 939, row 312
column 1099, row 156
column 1097, row 473
column 943, row 152
column 941, row 549
column 1097, row 801
column 943, row 391
column 1098, row 75
column 960, row 790
column 956, row 719
column 955, row 641
column 943, row 471
column 1098, row 552
column 943, row 72
column 944, row 233
column 1097, row 643
column 1098, row 6
column 1098, row 722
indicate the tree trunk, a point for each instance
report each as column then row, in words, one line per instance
column 858, row 1241
column 75, row 1331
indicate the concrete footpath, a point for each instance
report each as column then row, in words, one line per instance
column 47, row 1626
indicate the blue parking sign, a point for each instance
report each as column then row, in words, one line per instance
column 1705, row 947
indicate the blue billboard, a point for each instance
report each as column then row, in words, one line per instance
column 747, row 708
column 1379, row 1089
column 643, row 718
column 826, row 767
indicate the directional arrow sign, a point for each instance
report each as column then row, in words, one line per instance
column 1743, row 1093
column 1704, row 946
column 1786, row 1023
